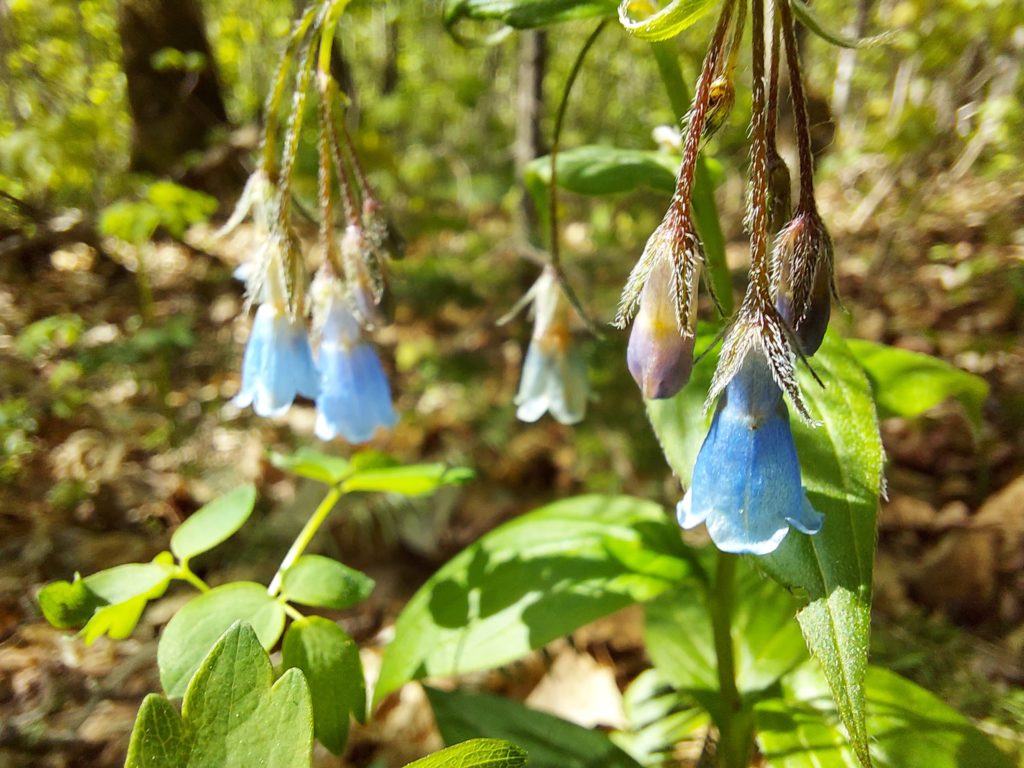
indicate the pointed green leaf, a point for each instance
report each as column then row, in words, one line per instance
column 213, row 523
column 526, row 583
column 321, row 582
column 232, row 715
column 841, row 462
column 329, row 660
column 550, row 741
column 653, row 21
column 316, row 465
column 190, row 635
column 908, row 383
column 910, row 727
column 477, row 753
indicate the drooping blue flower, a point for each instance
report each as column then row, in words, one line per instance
column 355, row 398
column 554, row 375
column 746, row 482
column 278, row 363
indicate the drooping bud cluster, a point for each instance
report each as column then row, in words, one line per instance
column 664, row 282
column 746, row 481
column 345, row 378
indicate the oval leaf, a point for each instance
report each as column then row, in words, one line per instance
column 648, row 20
column 321, row 582
column 316, row 465
column 194, row 630
column 413, row 480
column 526, row 583
column 329, row 659
column 213, row 523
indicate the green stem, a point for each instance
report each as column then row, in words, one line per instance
column 185, row 574
column 733, row 742
column 305, row 536
column 705, row 211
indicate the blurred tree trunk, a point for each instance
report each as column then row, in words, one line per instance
column 389, row 80
column 848, row 59
column 533, row 55
column 173, row 107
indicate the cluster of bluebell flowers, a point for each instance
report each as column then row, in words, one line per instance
column 746, row 484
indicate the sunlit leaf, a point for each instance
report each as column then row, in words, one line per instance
column 476, row 753
column 410, row 480
column 908, row 383
column 321, row 582
column 909, row 727
column 194, row 630
column 329, row 659
column 213, row 523
column 526, row 583
column 659, row 718
column 233, row 714
column 313, row 464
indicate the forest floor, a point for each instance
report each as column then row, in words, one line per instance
column 116, row 424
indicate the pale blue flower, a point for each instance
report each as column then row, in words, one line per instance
column 278, row 363
column 355, row 398
column 554, row 378
column 746, row 482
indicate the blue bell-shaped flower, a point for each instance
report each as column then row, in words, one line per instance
column 746, row 482
column 355, row 398
column 554, row 374
column 278, row 363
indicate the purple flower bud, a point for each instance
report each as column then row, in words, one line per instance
column 659, row 355
column 802, row 277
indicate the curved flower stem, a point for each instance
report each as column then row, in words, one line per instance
column 732, row 750
column 556, row 136
column 759, row 269
column 705, row 211
column 305, row 536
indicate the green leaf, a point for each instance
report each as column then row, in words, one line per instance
column 596, row 169
column 68, row 605
column 411, row 480
column 329, row 659
column 650, row 21
column 477, row 753
column 518, row 14
column 315, row 465
column 659, row 718
column 214, row 523
column 526, row 583
column 232, row 717
column 550, row 741
column 908, row 383
column 909, row 727
column 108, row 602
column 194, row 630
column 766, row 641
column 321, row 582
column 813, row 22
column 841, row 462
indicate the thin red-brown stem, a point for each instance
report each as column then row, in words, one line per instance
column 759, row 158
column 772, row 104
column 699, row 113
column 364, row 182
column 349, row 200
column 802, row 124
